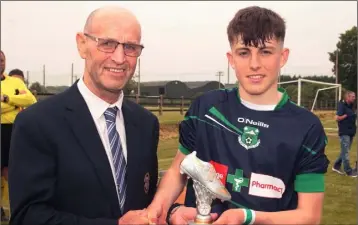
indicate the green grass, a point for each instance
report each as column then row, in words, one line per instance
column 340, row 205
column 329, row 123
column 169, row 117
column 166, row 152
column 327, row 118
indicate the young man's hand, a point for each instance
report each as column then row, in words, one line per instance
column 183, row 215
column 231, row 216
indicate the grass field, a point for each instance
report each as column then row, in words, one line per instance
column 341, row 191
column 169, row 117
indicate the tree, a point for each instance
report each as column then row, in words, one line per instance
column 37, row 87
column 347, row 59
column 130, row 87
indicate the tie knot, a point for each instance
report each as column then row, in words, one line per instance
column 110, row 114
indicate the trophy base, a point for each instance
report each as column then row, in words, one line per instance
column 201, row 220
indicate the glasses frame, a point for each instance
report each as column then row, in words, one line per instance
column 97, row 40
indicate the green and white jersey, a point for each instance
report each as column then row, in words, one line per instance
column 264, row 158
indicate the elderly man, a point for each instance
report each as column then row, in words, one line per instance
column 346, row 119
column 74, row 157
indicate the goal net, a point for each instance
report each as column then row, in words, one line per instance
column 319, row 95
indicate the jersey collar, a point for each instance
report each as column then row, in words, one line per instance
column 280, row 104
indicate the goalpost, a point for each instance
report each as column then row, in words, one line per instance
column 299, row 83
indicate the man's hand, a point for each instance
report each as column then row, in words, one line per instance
column 156, row 214
column 134, row 217
column 183, row 215
column 339, row 118
column 22, row 92
column 231, row 216
column 2, row 98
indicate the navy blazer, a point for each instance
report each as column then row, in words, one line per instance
column 59, row 172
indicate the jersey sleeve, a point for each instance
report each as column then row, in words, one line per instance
column 188, row 129
column 312, row 162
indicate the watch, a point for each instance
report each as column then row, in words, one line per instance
column 172, row 210
column 6, row 98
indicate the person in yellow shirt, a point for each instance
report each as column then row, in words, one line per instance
column 14, row 97
column 18, row 74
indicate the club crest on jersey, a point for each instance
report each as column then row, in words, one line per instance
column 249, row 138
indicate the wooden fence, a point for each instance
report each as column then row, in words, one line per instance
column 162, row 104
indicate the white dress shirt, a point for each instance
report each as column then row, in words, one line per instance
column 97, row 107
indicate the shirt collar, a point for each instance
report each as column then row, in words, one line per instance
column 284, row 98
column 96, row 105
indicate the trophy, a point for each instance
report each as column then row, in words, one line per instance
column 207, row 186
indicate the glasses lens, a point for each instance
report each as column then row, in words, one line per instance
column 110, row 46
column 107, row 45
column 132, row 49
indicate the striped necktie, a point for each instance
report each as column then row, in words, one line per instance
column 119, row 161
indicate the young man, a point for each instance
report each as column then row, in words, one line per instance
column 268, row 152
column 346, row 118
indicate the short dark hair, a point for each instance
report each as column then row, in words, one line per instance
column 255, row 25
column 16, row 72
column 348, row 92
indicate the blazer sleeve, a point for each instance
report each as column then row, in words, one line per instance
column 154, row 149
column 32, row 178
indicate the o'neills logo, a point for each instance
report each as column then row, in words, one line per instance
column 252, row 122
column 266, row 186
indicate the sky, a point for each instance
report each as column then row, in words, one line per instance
column 184, row 41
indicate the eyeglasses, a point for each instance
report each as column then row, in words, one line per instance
column 110, row 45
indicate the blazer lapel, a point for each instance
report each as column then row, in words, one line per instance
column 132, row 141
column 84, row 129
